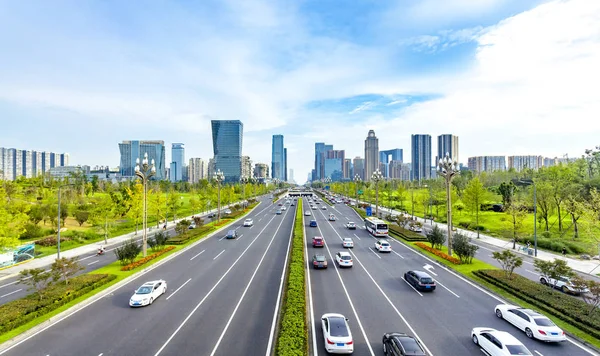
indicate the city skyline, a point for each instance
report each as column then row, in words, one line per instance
column 433, row 69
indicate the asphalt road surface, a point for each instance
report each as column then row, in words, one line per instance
column 222, row 299
column 374, row 297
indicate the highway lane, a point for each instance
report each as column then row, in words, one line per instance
column 204, row 285
column 442, row 319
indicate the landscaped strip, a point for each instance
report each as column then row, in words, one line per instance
column 405, row 234
column 293, row 333
column 146, row 259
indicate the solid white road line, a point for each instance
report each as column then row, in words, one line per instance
column 537, row 352
column 410, row 285
column 376, row 253
column 218, row 255
column 209, row 293
column 239, row 237
column 310, row 298
column 197, row 255
column 357, row 237
column 398, row 254
column 531, row 272
column 91, row 263
column 101, row 354
column 485, row 248
column 446, row 288
column 222, row 237
column 8, row 284
column 13, row 292
column 177, row 290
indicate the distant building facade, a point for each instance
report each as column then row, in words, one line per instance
column 227, row 138
column 197, row 170
column 177, row 162
column 385, row 157
column 134, row 149
column 420, row 157
column 261, row 170
column 246, row 167
column 16, row 163
column 277, row 158
column 487, row 163
column 520, row 163
column 359, row 167
column 447, row 144
column 371, row 155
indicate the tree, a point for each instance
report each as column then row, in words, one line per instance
column 473, row 196
column 81, row 216
column 436, row 237
column 136, row 204
column 574, row 207
column 401, row 195
column 182, row 227
column 103, row 215
column 544, row 201
column 64, row 268
column 508, row 261
column 12, row 222
column 517, row 214
column 195, row 204
column 128, row 252
column 506, row 190
column 37, row 279
column 36, row 214
column 461, row 246
column 553, row 269
column 560, row 177
column 174, row 204
column 95, row 185
column 592, row 296
column 157, row 205
column 590, row 209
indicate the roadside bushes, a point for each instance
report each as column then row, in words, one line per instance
column 564, row 307
column 406, row 234
column 556, row 245
column 51, row 241
column 146, row 259
column 438, row 253
column 127, row 253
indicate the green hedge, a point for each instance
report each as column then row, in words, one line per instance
column 571, row 310
column 191, row 234
column 555, row 245
column 293, row 332
column 24, row 310
column 405, row 234
column 361, row 212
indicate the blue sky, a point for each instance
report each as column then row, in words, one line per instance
column 506, row 76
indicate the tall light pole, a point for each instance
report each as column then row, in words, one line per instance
column 145, row 171
column 243, row 181
column 219, row 177
column 58, row 221
column 531, row 182
column 377, row 177
column 357, row 181
column 448, row 169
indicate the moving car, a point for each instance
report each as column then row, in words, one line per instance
column 343, row 259
column 420, row 280
column 400, row 344
column 331, row 217
column 347, row 242
column 323, row 207
column 283, row 208
column 383, row 246
column 336, row 334
column 147, row 293
column 416, row 228
column 212, row 215
column 534, row 324
column 319, row 261
column 563, row 283
column 498, row 343
column 307, row 213
column 351, row 225
column 278, row 212
column 231, row 234
column 313, row 207
column 248, row 222
column 313, row 223
column 318, row 241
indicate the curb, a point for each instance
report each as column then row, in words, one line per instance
column 24, row 336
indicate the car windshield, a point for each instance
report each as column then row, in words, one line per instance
column 518, row 350
column 319, row 258
column 543, row 322
column 411, row 346
column 144, row 290
column 230, row 232
column 347, row 239
column 346, row 257
column 337, row 327
column 248, row 220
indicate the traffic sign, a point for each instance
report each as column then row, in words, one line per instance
column 326, row 187
column 369, row 211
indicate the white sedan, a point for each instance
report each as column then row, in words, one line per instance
column 348, row 242
column 147, row 293
column 534, row 324
column 498, row 343
column 248, row 222
column 283, row 208
column 336, row 334
column 383, row 246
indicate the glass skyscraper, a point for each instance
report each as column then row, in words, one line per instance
column 131, row 150
column 177, row 162
column 277, row 158
column 227, row 138
column 420, row 157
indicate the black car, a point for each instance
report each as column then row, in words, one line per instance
column 212, row 215
column 420, row 280
column 400, row 344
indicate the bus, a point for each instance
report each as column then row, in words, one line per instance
column 376, row 226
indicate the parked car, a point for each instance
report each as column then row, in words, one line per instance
column 248, row 222
column 563, row 283
column 147, row 293
column 534, row 324
column 318, row 241
column 498, row 343
column 416, row 228
column 212, row 215
column 313, row 223
column 343, row 259
column 420, row 280
column 336, row 334
column 347, row 242
column 383, row 246
column 351, row 225
column 319, row 261
column 231, row 234
column 400, row 344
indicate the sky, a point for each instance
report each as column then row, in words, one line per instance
column 509, row 77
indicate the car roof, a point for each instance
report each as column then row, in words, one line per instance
column 318, row 237
column 421, row 274
column 504, row 337
column 231, row 231
column 347, row 238
column 343, row 253
column 530, row 312
column 151, row 283
column 409, row 343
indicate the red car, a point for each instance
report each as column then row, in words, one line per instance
column 318, row 241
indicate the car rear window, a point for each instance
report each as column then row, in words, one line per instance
column 320, row 258
column 338, row 327
column 518, row 350
column 411, row 346
column 346, row 257
column 543, row 322
column 385, row 244
column 426, row 280
column 230, row 232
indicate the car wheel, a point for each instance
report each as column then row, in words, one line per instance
column 543, row 281
column 384, row 350
column 498, row 313
column 564, row 289
column 529, row 333
column 151, row 300
column 475, row 341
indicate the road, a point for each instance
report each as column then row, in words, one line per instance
column 222, row 300
column 375, row 298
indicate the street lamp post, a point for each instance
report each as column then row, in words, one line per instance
column 448, row 169
column 219, row 177
column 243, row 181
column 377, row 177
column 58, row 221
column 357, row 181
column 531, row 182
column 145, row 171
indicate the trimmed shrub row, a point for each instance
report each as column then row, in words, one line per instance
column 24, row 310
column 439, row 253
column 554, row 244
column 406, row 234
column 293, row 333
column 564, row 307
column 193, row 233
column 361, row 212
column 145, row 260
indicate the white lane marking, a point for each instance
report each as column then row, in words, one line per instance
column 241, row 299
column 485, row 353
column 528, row 262
column 13, row 292
column 446, row 288
column 198, row 254
column 101, row 354
column 209, row 293
column 357, row 237
column 347, row 218
column 91, row 263
column 537, row 352
column 222, row 237
column 410, row 285
column 398, row 254
column 218, row 255
column 429, row 269
column 9, row 284
column 310, row 298
column 260, row 219
column 239, row 237
column 177, row 290
column 251, row 226
column 237, row 227
column 376, row 253
column 485, row 248
column 531, row 272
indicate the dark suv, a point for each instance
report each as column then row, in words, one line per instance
column 231, row 234
column 420, row 280
column 400, row 344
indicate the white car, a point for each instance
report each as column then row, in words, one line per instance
column 307, row 213
column 498, row 343
column 534, row 324
column 313, row 207
column 383, row 246
column 283, row 208
column 336, row 334
column 347, row 242
column 248, row 222
column 563, row 283
column 351, row 225
column 323, row 207
column 343, row 259
column 416, row 228
column 147, row 293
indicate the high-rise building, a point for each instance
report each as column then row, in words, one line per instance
column 285, row 169
column 522, row 162
column 359, row 167
column 246, row 167
column 197, row 170
column 210, row 171
column 134, row 149
column 371, row 154
column 16, row 163
column 447, row 143
column 385, row 157
column 177, row 162
column 333, row 162
column 227, row 138
column 347, row 167
column 320, row 149
column 399, row 170
column 261, row 171
column 277, row 158
column 420, row 157
column 487, row 163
